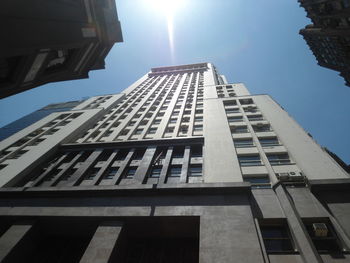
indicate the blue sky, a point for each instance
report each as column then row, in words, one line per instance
column 251, row 41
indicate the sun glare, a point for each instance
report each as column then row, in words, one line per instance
column 169, row 9
column 166, row 7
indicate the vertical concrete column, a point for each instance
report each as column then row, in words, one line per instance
column 304, row 243
column 141, row 171
column 121, row 170
column 103, row 169
column 185, row 164
column 103, row 243
column 10, row 241
column 228, row 234
column 166, row 164
column 39, row 180
column 78, row 176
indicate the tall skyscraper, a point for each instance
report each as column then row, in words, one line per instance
column 53, row 40
column 328, row 36
column 179, row 167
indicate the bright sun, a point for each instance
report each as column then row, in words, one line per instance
column 166, row 7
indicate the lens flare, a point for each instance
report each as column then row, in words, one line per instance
column 168, row 8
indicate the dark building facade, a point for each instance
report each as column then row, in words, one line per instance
column 329, row 35
column 48, row 41
column 20, row 124
column 181, row 167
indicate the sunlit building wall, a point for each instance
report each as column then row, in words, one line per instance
column 180, row 166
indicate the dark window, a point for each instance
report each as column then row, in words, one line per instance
column 234, row 110
column 246, row 101
column 230, row 103
column 122, row 154
column 195, row 170
column 323, row 236
column 235, row 119
column 243, row 143
column 138, row 154
column 268, row 141
column 239, row 129
column 155, row 172
column 91, row 174
column 257, row 180
column 175, row 171
column 178, row 152
column 277, row 238
column 255, row 117
column 130, row 172
column 196, row 151
column 277, row 159
column 249, row 160
column 261, row 128
column 110, row 173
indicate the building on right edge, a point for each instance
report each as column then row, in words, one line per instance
column 329, row 35
column 180, row 167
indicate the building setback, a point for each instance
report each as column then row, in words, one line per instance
column 49, row 41
column 329, row 35
column 179, row 167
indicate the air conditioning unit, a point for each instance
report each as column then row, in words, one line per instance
column 296, row 176
column 283, row 176
column 290, row 176
column 320, row 229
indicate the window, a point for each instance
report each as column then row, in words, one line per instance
column 198, row 118
column 230, row 103
column 197, row 151
column 246, row 101
column 323, row 235
column 138, row 154
column 277, row 159
column 255, row 117
column 251, row 109
column 235, row 119
column 175, row 171
column 198, row 128
column 178, row 152
column 138, row 131
column 249, row 160
column 110, row 173
column 239, row 129
column 261, row 128
column 91, row 174
column 152, row 130
column 155, row 172
column 129, row 173
column 124, row 132
column 234, row 110
column 195, row 170
column 277, row 238
column 271, row 141
column 173, row 120
column 157, row 121
column 169, row 130
column 243, row 143
column 122, row 154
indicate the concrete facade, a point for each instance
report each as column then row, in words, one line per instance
column 328, row 35
column 49, row 41
column 180, row 167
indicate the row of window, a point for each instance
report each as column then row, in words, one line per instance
column 255, row 160
column 100, row 166
column 21, row 146
column 278, row 239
